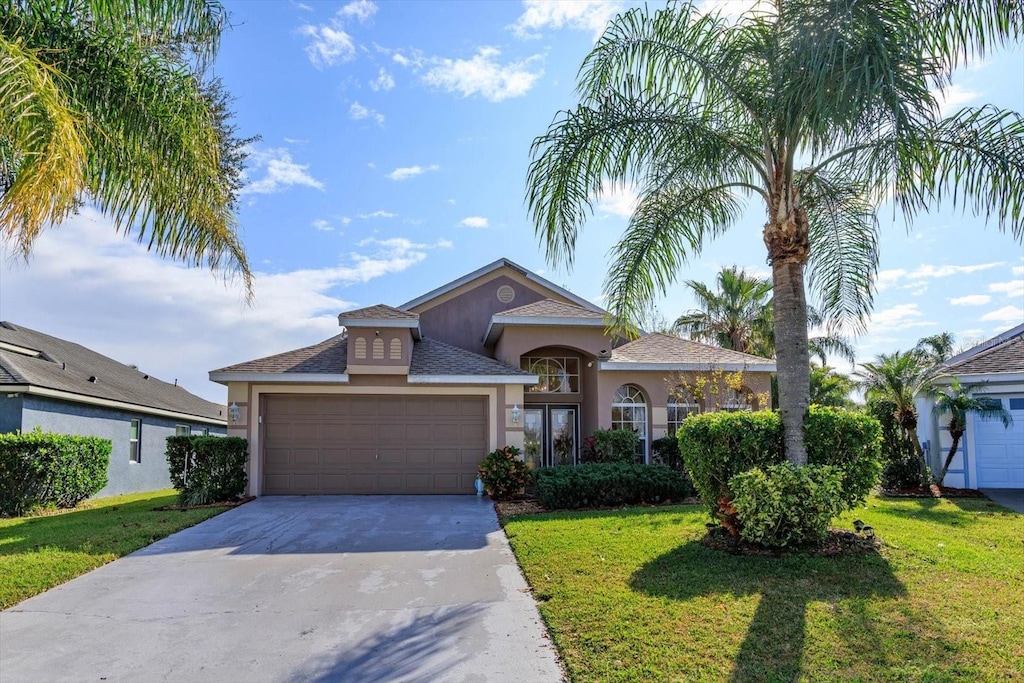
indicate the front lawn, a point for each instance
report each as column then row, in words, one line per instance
column 632, row 595
column 37, row 553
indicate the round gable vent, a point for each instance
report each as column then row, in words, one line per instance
column 506, row 294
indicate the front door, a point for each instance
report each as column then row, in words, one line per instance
column 551, row 434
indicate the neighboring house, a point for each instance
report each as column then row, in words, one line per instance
column 60, row 386
column 989, row 455
column 409, row 399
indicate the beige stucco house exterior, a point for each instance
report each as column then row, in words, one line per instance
column 408, row 399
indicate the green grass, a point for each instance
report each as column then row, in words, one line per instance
column 40, row 552
column 632, row 595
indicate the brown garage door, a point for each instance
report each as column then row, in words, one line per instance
column 372, row 444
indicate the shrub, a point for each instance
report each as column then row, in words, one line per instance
column 718, row 446
column 784, row 505
column 665, row 451
column 900, row 465
column 615, row 445
column 504, row 475
column 208, row 469
column 41, row 469
column 609, row 484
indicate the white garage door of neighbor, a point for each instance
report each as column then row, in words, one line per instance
column 999, row 452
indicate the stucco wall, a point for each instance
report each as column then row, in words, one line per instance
column 10, row 413
column 123, row 476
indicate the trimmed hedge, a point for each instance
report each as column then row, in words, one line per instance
column 208, row 469
column 718, row 446
column 41, row 469
column 611, row 445
column 608, row 484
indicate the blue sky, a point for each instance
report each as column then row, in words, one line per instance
column 395, row 142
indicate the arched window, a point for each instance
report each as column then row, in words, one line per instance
column 629, row 411
column 378, row 349
column 681, row 403
column 557, row 375
column 396, row 349
column 361, row 348
column 740, row 399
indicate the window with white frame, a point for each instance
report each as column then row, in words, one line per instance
column 206, row 431
column 741, row 400
column 681, row 404
column 629, row 411
column 182, row 430
column 558, row 375
column 135, row 441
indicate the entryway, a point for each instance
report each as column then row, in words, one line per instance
column 551, row 434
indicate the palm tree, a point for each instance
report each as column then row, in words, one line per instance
column 103, row 103
column 899, row 378
column 820, row 110
column 736, row 316
column 830, row 388
column 938, row 348
column 957, row 400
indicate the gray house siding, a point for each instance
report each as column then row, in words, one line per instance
column 10, row 413
column 123, row 476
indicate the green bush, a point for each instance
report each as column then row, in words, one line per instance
column 41, row 469
column 504, row 475
column 608, row 484
column 611, row 445
column 665, row 451
column 208, row 469
column 717, row 446
column 900, row 464
column 785, row 505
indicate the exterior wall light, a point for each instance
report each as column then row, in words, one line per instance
column 234, row 413
column 515, row 414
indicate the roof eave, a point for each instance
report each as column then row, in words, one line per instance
column 221, row 377
column 686, row 367
column 473, row 379
column 983, row 377
column 46, row 392
column 498, row 323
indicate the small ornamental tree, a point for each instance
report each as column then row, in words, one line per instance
column 503, row 473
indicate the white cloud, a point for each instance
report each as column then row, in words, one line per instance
column 483, row 75
column 328, row 45
column 1018, row 270
column 450, row 201
column 322, row 225
column 1013, row 289
column 384, row 81
column 585, row 15
column 619, row 201
column 896, row 318
column 474, row 222
column 1006, row 314
column 88, row 284
column 360, row 9
column 344, row 220
column 406, row 172
column 401, row 59
column 280, row 172
column 358, row 112
column 970, row 300
column 954, row 98
column 377, row 214
column 914, row 278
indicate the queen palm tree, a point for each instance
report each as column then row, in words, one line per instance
column 937, row 348
column 818, row 110
column 899, row 378
column 830, row 388
column 104, row 103
column 737, row 315
column 958, row 400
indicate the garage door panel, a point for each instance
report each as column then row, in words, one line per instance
column 1000, row 450
column 376, row 444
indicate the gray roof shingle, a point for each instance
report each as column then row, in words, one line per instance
column 549, row 308
column 378, row 312
column 432, row 357
column 665, row 348
column 328, row 357
column 1005, row 357
column 66, row 366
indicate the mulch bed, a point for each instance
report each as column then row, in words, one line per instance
column 224, row 504
column 837, row 542
column 933, row 491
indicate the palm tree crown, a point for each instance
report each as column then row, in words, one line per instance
column 818, row 110
column 735, row 316
column 103, row 103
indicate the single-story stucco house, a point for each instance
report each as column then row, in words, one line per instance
column 989, row 455
column 409, row 399
column 59, row 386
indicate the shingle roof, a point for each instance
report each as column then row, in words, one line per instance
column 1005, row 357
column 378, row 312
column 328, row 357
column 548, row 308
column 664, row 348
column 65, row 366
column 432, row 357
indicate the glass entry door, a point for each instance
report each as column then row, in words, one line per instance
column 551, row 435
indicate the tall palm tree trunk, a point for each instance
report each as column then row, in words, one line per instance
column 788, row 248
column 955, row 434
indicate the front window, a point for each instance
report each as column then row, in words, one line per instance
column 134, row 450
column 629, row 411
column 182, row 430
column 556, row 375
column 681, row 404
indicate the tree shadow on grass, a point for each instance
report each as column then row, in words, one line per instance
column 774, row 645
column 959, row 512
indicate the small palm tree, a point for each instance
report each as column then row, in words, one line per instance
column 938, row 348
column 831, row 388
column 899, row 378
column 958, row 401
column 103, row 102
column 736, row 316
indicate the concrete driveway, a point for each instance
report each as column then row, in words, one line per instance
column 378, row 588
column 1011, row 498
